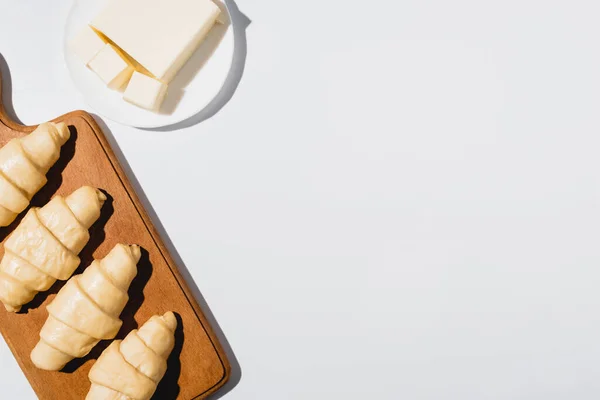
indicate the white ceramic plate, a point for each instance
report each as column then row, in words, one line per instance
column 193, row 88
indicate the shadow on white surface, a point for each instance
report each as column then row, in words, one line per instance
column 239, row 23
column 236, row 372
column 6, row 90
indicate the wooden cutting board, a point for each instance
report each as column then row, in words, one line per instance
column 198, row 366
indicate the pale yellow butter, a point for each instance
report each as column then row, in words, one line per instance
column 86, row 44
column 113, row 69
column 160, row 35
column 145, row 92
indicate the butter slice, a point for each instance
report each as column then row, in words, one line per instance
column 160, row 35
column 113, row 69
column 145, row 92
column 86, row 44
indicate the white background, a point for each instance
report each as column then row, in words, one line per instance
column 400, row 201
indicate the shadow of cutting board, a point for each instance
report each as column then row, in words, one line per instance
column 198, row 366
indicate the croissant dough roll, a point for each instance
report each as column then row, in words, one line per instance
column 86, row 310
column 24, row 163
column 132, row 368
column 44, row 247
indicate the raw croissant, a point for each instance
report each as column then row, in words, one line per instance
column 86, row 310
column 132, row 368
column 24, row 163
column 44, row 247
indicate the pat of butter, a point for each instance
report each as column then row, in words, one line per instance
column 86, row 44
column 113, row 69
column 145, row 92
column 160, row 35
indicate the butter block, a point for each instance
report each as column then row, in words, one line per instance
column 113, row 69
column 146, row 92
column 86, row 44
column 160, row 35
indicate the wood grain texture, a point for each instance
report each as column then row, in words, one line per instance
column 198, row 365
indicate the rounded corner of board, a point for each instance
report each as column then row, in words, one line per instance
column 221, row 381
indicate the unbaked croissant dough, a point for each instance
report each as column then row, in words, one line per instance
column 44, row 247
column 24, row 163
column 86, row 310
column 132, row 368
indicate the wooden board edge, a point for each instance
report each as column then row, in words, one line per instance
column 13, row 351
